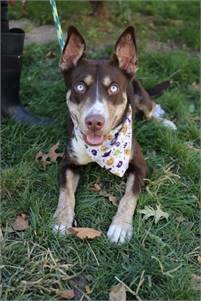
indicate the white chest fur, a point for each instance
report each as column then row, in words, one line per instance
column 79, row 151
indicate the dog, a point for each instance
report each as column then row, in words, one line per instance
column 102, row 98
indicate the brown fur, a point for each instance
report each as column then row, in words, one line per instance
column 99, row 75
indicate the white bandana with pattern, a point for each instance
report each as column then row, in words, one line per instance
column 114, row 153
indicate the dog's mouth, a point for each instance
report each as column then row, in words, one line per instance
column 94, row 139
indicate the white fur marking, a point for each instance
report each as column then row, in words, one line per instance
column 88, row 79
column 61, row 229
column 168, row 123
column 107, row 81
column 99, row 107
column 119, row 234
column 68, row 96
column 80, row 151
column 157, row 112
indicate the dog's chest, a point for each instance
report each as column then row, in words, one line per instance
column 78, row 151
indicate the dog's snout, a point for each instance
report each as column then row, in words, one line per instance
column 95, row 122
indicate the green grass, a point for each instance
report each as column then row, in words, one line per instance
column 36, row 262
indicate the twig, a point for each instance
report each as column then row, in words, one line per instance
column 93, row 253
column 128, row 289
column 140, row 282
column 167, row 273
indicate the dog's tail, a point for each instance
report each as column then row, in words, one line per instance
column 160, row 88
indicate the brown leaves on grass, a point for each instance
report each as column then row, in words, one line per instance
column 191, row 147
column 65, row 294
column 97, row 188
column 118, row 293
column 196, row 86
column 199, row 259
column 46, row 159
column 21, row 222
column 157, row 213
column 84, row 233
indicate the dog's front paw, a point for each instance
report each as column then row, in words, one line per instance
column 61, row 228
column 120, row 232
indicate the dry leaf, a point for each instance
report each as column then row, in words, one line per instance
column 113, row 199
column 180, row 219
column 43, row 159
column 199, row 259
column 21, row 222
column 196, row 282
column 196, row 86
column 47, row 158
column 158, row 214
column 83, row 233
column 96, row 188
column 88, row 290
column 110, row 197
column 52, row 153
column 196, row 149
column 66, row 294
column 118, row 293
column 50, row 55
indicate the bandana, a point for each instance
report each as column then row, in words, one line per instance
column 114, row 153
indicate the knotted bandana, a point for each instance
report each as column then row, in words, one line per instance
column 114, row 153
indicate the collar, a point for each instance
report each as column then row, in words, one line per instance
column 114, row 153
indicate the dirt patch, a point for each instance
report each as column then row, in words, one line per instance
column 35, row 34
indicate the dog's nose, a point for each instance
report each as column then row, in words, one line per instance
column 95, row 122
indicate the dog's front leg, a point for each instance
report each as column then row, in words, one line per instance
column 121, row 228
column 64, row 214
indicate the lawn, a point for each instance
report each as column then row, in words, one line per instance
column 37, row 264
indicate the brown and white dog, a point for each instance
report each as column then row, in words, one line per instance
column 99, row 96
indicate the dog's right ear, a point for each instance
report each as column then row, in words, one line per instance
column 126, row 51
column 73, row 50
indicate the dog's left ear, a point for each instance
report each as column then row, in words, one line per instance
column 126, row 51
column 73, row 50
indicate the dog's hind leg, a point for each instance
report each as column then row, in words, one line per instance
column 121, row 228
column 64, row 214
column 142, row 102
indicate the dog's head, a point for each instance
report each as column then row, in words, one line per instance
column 97, row 90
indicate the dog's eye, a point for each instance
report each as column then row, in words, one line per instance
column 113, row 89
column 80, row 88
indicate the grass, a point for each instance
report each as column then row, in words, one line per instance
column 36, row 264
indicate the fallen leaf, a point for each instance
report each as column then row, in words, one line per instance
column 113, row 200
column 50, row 55
column 180, row 219
column 66, row 294
column 199, row 259
column 88, row 290
column 96, row 188
column 196, row 149
column 47, row 158
column 84, row 233
column 21, row 222
column 196, row 86
column 110, row 197
column 43, row 159
column 52, row 153
column 196, row 282
column 158, row 214
column 118, row 293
